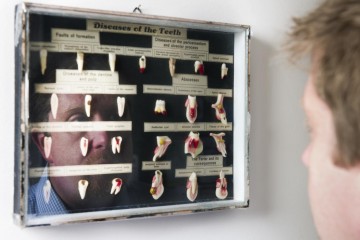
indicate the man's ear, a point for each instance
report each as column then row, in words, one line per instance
column 39, row 139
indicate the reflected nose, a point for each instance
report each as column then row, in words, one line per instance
column 98, row 139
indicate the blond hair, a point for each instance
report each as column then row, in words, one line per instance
column 332, row 31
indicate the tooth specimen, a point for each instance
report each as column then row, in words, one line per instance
column 220, row 142
column 219, row 109
column 116, row 186
column 121, row 105
column 157, row 187
column 162, row 144
column 47, row 191
column 47, row 146
column 84, row 144
column 192, row 187
column 172, row 62
column 54, row 103
column 193, row 144
column 199, row 67
column 43, row 58
column 82, row 186
column 87, row 105
column 224, row 70
column 142, row 64
column 112, row 59
column 115, row 144
column 80, row 61
column 160, row 107
column 221, row 186
column 191, row 108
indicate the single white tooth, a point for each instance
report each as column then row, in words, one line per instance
column 191, row 109
column 116, row 186
column 80, row 61
column 43, row 60
column 172, row 62
column 115, row 144
column 196, row 66
column 121, row 105
column 47, row 191
column 157, row 187
column 193, row 180
column 221, row 186
column 82, row 186
column 189, row 144
column 54, row 103
column 88, row 105
column 162, row 144
column 160, row 107
column 219, row 109
column 224, row 70
column 142, row 64
column 220, row 143
column 192, row 187
column 84, row 144
column 112, row 60
column 47, row 146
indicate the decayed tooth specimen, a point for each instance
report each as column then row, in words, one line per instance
column 192, row 187
column 142, row 64
column 162, row 144
column 121, row 105
column 172, row 62
column 116, row 186
column 80, row 60
column 43, row 58
column 219, row 109
column 54, row 103
column 82, row 186
column 157, row 187
column 224, row 70
column 199, row 67
column 221, row 191
column 116, row 144
column 160, row 107
column 84, row 144
column 47, row 146
column 88, row 105
column 47, row 191
column 191, row 109
column 112, row 59
column 193, row 144
column 220, row 142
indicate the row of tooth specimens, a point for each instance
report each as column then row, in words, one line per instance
column 193, row 145
column 157, row 186
column 198, row 65
column 116, row 185
column 191, row 108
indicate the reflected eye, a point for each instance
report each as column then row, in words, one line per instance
column 79, row 117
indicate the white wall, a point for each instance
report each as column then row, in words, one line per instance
column 278, row 207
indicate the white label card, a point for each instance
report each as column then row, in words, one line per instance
column 81, row 126
column 67, row 35
column 77, row 170
column 185, row 127
column 160, row 165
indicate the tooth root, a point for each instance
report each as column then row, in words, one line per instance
column 47, row 146
column 47, row 191
column 116, row 186
column 54, row 102
column 82, row 186
column 199, row 67
column 172, row 62
column 121, row 105
column 224, row 71
column 80, row 61
column 43, row 60
column 116, row 144
column 84, row 144
column 192, row 187
column 191, row 109
column 142, row 64
column 88, row 105
column 112, row 60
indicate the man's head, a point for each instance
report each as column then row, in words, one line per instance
column 331, row 35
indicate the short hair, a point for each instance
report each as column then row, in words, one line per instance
column 332, row 33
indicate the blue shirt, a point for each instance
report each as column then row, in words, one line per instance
column 37, row 204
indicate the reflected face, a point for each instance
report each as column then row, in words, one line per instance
column 66, row 150
column 333, row 191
